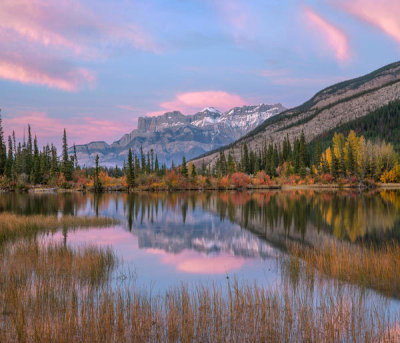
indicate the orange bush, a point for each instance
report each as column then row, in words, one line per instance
column 327, row 178
column 262, row 179
column 240, row 180
column 224, row 182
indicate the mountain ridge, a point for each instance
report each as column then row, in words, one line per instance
column 327, row 109
column 173, row 134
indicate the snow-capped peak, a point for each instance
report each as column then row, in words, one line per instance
column 210, row 109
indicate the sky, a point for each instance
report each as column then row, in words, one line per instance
column 95, row 66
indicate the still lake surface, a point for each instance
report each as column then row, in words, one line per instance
column 166, row 239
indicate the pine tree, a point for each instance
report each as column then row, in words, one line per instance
column 156, row 166
column 36, row 176
column 246, row 159
column 152, row 160
column 96, row 182
column 184, row 170
column 143, row 160
column 317, row 155
column 194, row 171
column 131, row 172
column 29, row 153
column 10, row 160
column 3, row 149
column 54, row 162
column 222, row 163
column 67, row 165
column 75, row 158
column 230, row 165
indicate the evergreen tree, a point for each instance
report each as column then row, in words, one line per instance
column 152, row 160
column 36, row 171
column 148, row 166
column 10, row 160
column 203, row 168
column 96, row 182
column 67, row 165
column 194, row 171
column 143, row 160
column 29, row 153
column 302, row 155
column 156, row 166
column 54, row 162
column 131, row 172
column 222, row 163
column 75, row 158
column 317, row 155
column 184, row 170
column 230, row 165
column 246, row 159
column 3, row 149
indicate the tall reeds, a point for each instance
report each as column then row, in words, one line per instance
column 376, row 267
column 50, row 294
column 14, row 226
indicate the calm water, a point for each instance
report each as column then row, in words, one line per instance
column 168, row 239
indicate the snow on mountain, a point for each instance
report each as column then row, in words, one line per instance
column 173, row 134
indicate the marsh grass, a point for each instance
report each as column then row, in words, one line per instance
column 15, row 226
column 376, row 267
column 55, row 294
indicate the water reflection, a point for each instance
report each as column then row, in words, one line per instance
column 173, row 237
column 203, row 221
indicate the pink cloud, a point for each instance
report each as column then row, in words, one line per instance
column 60, row 23
column 80, row 130
column 331, row 35
column 192, row 262
column 383, row 14
column 52, row 74
column 35, row 34
column 192, row 102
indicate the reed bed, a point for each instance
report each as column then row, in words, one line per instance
column 368, row 266
column 14, row 226
column 55, row 294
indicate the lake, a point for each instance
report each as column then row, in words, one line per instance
column 166, row 239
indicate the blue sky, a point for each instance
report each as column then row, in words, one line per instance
column 94, row 67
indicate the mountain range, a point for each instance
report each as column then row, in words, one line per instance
column 351, row 102
column 174, row 135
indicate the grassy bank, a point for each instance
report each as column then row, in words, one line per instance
column 13, row 226
column 49, row 294
column 367, row 266
column 53, row 293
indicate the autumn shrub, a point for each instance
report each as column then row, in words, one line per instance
column 201, row 181
column 173, row 180
column 262, row 179
column 223, row 182
column 310, row 180
column 392, row 175
column 240, row 180
column 327, row 178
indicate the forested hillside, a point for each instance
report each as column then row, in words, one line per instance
column 381, row 124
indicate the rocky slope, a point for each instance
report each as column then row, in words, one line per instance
column 173, row 135
column 331, row 107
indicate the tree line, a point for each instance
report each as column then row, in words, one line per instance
column 344, row 157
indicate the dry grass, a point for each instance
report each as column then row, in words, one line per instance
column 373, row 267
column 13, row 226
column 52, row 293
column 55, row 294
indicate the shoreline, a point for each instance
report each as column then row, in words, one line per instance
column 322, row 187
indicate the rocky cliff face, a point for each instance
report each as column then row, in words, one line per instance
column 173, row 135
column 328, row 109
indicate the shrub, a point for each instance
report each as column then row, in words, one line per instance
column 327, row 178
column 240, row 180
